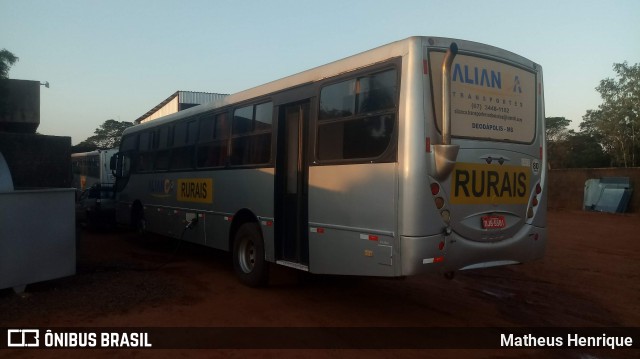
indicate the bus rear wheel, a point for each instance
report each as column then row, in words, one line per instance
column 248, row 256
column 138, row 222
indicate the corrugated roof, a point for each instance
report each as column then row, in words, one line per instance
column 184, row 97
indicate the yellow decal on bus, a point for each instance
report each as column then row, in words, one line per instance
column 198, row 190
column 489, row 184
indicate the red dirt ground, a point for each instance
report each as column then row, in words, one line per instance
column 589, row 277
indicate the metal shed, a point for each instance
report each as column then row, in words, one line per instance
column 178, row 101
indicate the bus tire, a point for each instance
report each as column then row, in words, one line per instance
column 450, row 275
column 138, row 222
column 249, row 263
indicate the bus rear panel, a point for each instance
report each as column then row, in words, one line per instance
column 489, row 207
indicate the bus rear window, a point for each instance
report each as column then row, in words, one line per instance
column 489, row 99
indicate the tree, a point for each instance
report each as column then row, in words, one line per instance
column 556, row 128
column 617, row 119
column 108, row 134
column 84, row 146
column 584, row 151
column 557, row 132
column 7, row 59
column 569, row 149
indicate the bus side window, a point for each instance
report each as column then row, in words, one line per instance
column 264, row 113
column 251, row 135
column 162, row 156
column 94, row 167
column 357, row 118
column 206, row 129
column 338, row 100
column 180, row 134
column 144, row 144
column 161, row 160
column 214, row 153
column 128, row 148
column 248, row 150
column 163, row 137
column 182, row 153
column 362, row 138
column 145, row 156
column 242, row 120
column 192, row 131
column 129, row 143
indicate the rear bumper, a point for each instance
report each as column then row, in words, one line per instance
column 423, row 254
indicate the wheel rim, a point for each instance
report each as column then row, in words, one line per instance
column 247, row 256
column 142, row 225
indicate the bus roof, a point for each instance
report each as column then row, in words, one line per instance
column 348, row 64
column 94, row 152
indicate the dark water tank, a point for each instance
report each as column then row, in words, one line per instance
column 19, row 106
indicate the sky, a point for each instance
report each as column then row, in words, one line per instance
column 117, row 59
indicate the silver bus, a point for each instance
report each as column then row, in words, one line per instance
column 94, row 183
column 90, row 168
column 424, row 155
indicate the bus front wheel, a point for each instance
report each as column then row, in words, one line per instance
column 248, row 256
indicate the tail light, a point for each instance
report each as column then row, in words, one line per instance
column 440, row 201
column 534, row 201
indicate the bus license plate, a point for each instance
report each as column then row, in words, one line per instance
column 493, row 222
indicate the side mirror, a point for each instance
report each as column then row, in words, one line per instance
column 119, row 164
column 113, row 166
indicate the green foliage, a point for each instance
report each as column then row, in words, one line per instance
column 617, row 120
column 556, row 131
column 84, row 146
column 7, row 59
column 569, row 149
column 107, row 135
column 556, row 128
column 608, row 135
column 584, row 151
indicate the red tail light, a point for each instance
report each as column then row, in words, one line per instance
column 435, row 189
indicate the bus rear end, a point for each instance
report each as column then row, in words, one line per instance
column 486, row 159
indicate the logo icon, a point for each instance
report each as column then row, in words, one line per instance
column 516, row 85
column 23, row 338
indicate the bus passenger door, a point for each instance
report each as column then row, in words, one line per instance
column 291, row 182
